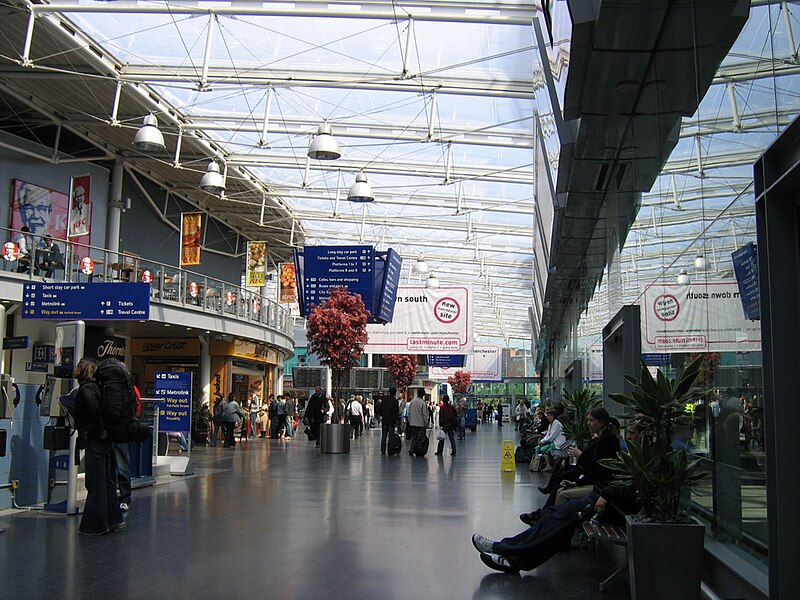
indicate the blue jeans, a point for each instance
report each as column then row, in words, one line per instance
column 120, row 453
column 386, row 430
column 253, row 424
column 440, row 445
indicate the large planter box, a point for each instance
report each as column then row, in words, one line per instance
column 335, row 438
column 665, row 559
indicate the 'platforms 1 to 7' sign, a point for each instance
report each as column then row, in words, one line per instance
column 88, row 301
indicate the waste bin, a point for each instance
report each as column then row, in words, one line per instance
column 334, row 438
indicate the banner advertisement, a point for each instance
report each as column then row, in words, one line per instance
column 256, row 271
column 288, row 283
column 426, row 321
column 700, row 317
column 191, row 226
column 593, row 369
column 484, row 364
column 42, row 210
column 80, row 209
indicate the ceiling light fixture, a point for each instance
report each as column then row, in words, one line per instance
column 700, row 261
column 683, row 277
column 420, row 267
column 324, row 146
column 360, row 190
column 212, row 182
column 433, row 282
column 149, row 137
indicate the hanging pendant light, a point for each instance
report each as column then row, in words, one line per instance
column 212, row 182
column 324, row 146
column 683, row 277
column 360, row 190
column 149, row 138
column 420, row 267
column 433, row 282
column 700, row 262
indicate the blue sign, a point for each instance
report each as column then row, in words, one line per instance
column 329, row 267
column 745, row 267
column 657, row 359
column 174, row 389
column 88, row 301
column 386, row 288
column 446, row 360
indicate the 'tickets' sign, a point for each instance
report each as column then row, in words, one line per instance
column 426, row 322
column 700, row 317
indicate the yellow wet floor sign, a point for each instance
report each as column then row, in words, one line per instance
column 507, row 461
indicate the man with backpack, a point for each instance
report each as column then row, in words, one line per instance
column 390, row 415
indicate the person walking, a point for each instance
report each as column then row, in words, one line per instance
column 355, row 412
column 389, row 415
column 313, row 415
column 231, row 415
column 448, row 421
column 417, row 418
column 216, row 421
column 461, row 414
column 101, row 514
column 499, row 413
column 255, row 410
column 291, row 412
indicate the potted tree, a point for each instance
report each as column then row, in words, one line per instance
column 402, row 369
column 665, row 545
column 337, row 332
column 578, row 403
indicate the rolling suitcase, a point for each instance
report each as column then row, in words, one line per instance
column 394, row 444
column 419, row 447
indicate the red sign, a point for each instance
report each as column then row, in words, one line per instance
column 230, row 298
column 256, row 305
column 193, row 289
column 147, row 277
column 87, row 266
column 10, row 251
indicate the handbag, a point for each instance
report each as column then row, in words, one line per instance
column 440, row 434
column 536, row 463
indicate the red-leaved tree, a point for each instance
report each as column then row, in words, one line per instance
column 402, row 368
column 459, row 381
column 336, row 332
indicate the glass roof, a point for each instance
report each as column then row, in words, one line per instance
column 438, row 111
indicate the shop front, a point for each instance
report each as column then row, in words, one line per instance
column 244, row 368
column 151, row 355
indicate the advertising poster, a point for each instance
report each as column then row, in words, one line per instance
column 44, row 211
column 426, row 322
column 191, row 226
column 256, row 271
column 288, row 282
column 80, row 209
column 484, row 364
column 700, row 317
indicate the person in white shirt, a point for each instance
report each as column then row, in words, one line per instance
column 255, row 409
column 355, row 412
column 520, row 411
column 554, row 440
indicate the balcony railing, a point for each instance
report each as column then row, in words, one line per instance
column 169, row 285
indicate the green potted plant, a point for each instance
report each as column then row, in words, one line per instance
column 578, row 403
column 665, row 545
column 201, row 419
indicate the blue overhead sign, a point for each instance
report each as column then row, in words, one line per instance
column 446, row 360
column 330, row 267
column 174, row 389
column 86, row 301
column 745, row 267
column 388, row 265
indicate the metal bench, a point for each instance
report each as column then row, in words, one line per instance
column 613, row 536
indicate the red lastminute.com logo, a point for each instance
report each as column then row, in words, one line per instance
column 666, row 307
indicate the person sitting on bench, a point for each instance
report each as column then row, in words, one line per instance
column 48, row 257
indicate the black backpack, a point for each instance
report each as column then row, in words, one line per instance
column 119, row 403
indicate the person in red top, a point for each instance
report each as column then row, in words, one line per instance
column 448, row 421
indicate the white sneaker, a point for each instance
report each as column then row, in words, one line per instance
column 482, row 544
column 124, row 507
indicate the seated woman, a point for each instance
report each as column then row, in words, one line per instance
column 551, row 444
column 577, row 481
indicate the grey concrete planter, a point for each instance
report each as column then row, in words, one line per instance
column 665, row 559
column 335, row 438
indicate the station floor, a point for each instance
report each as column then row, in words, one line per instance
column 277, row 519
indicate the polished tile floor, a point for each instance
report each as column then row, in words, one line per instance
column 276, row 519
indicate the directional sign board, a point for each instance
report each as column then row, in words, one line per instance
column 175, row 389
column 329, row 267
column 386, row 288
column 86, row 301
column 745, row 267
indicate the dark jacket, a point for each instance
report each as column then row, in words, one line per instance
column 604, row 446
column 88, row 415
column 314, row 410
column 390, row 410
column 447, row 417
